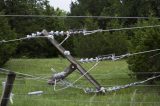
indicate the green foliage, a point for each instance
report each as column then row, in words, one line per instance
column 87, row 46
column 146, row 39
column 6, row 50
column 28, row 25
column 100, row 43
column 118, row 42
column 140, row 7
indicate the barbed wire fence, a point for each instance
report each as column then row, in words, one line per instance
column 81, row 87
column 68, row 84
column 68, row 33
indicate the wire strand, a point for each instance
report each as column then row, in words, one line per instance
column 55, row 16
column 84, row 32
column 113, row 57
column 22, row 74
column 120, row 29
column 71, row 84
column 20, row 39
column 87, row 101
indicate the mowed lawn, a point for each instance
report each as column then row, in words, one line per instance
column 108, row 73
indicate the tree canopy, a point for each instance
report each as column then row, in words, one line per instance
column 6, row 50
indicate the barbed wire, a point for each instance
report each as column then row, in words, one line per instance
column 131, row 84
column 22, row 74
column 116, row 88
column 108, row 89
column 88, row 101
column 36, row 79
column 68, row 33
column 37, row 76
column 128, row 73
column 85, row 32
column 55, row 16
column 94, row 74
column 52, row 34
column 60, row 94
column 120, row 29
column 82, row 86
column 155, row 55
column 113, row 57
column 67, row 84
column 90, row 90
column 20, row 39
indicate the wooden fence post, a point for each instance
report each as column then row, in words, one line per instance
column 73, row 61
column 8, row 88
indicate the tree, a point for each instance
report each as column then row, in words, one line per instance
column 2, row 5
column 6, row 50
column 101, row 43
column 143, row 40
column 87, row 46
column 38, row 47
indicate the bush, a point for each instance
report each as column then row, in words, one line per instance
column 145, row 39
column 6, row 50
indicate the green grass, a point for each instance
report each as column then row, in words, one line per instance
column 112, row 73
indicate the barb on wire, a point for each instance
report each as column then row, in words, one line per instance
column 99, row 58
column 86, row 32
column 116, row 88
column 32, row 36
column 51, row 35
column 91, row 32
column 68, row 33
column 113, row 57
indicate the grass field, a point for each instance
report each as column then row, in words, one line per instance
column 107, row 73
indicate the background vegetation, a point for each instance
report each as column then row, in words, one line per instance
column 107, row 73
column 89, row 46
